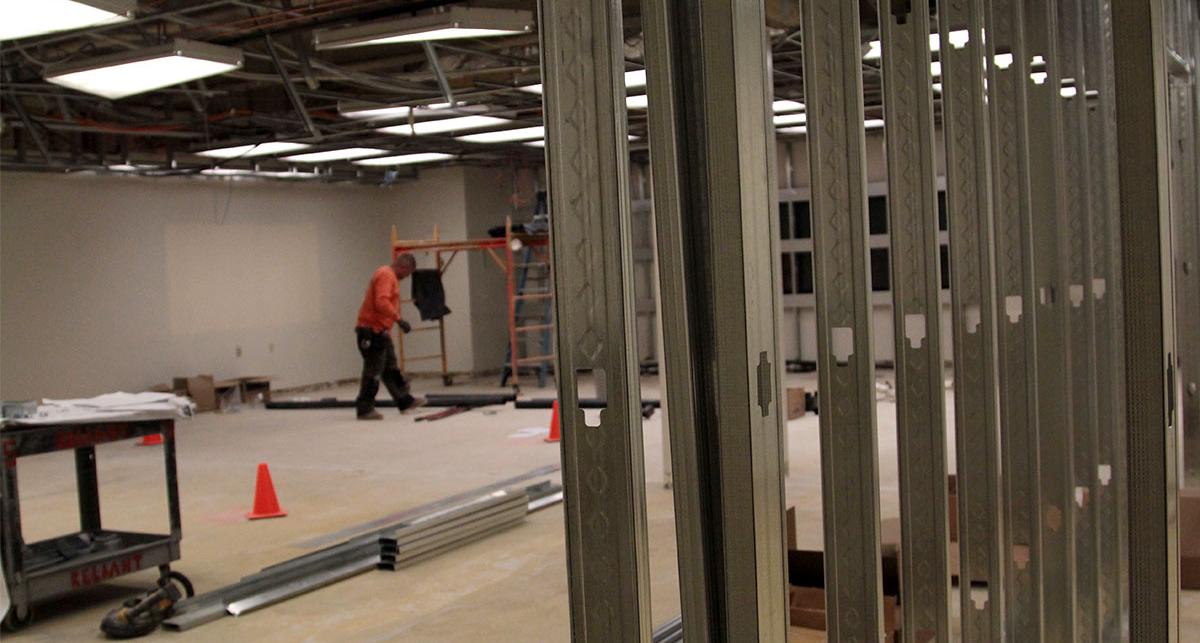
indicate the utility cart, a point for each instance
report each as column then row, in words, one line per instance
column 35, row 572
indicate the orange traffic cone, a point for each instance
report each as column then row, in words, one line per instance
column 555, row 432
column 266, row 505
column 152, row 440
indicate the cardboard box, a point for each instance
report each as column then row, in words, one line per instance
column 796, row 406
column 200, row 388
column 228, row 394
column 255, row 388
column 1189, row 538
column 806, row 589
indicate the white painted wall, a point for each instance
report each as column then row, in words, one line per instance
column 111, row 283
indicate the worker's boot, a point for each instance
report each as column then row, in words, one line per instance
column 373, row 415
column 417, row 402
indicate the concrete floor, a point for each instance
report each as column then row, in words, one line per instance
column 332, row 472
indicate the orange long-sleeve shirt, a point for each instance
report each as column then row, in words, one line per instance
column 381, row 305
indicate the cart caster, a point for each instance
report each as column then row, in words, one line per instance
column 448, row 380
column 18, row 617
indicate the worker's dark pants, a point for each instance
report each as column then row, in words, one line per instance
column 379, row 362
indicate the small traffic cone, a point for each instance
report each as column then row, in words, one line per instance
column 152, row 440
column 266, row 505
column 555, row 432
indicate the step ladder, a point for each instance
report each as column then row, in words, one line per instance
column 531, row 315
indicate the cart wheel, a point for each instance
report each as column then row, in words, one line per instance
column 448, row 380
column 18, row 617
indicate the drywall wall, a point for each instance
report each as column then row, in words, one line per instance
column 117, row 283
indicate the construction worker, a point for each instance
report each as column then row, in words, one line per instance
column 380, row 309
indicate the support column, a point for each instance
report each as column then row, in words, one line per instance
column 1143, row 164
column 845, row 359
column 582, row 43
column 916, row 292
column 973, row 295
column 710, row 129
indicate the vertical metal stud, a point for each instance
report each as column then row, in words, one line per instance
column 916, row 292
column 1143, row 162
column 1080, row 309
column 603, row 473
column 972, row 290
column 1105, row 291
column 849, row 454
column 1015, row 297
column 713, row 191
column 1042, row 80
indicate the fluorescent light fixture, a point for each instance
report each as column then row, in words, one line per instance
column 407, row 159
column 32, row 18
column 781, row 106
column 129, row 167
column 506, row 135
column 536, row 144
column 360, row 110
column 637, row 102
column 633, row 80
column 453, row 22
column 958, row 38
column 260, row 149
column 136, row 72
column 234, row 172
column 873, row 123
column 791, row 119
column 343, row 154
column 800, row 129
column 445, row 125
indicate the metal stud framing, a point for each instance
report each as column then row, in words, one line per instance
column 920, row 393
column 587, row 166
column 1046, row 173
column 713, row 190
column 1080, row 309
column 1015, row 319
column 845, row 361
column 1140, row 77
column 976, row 403
column 1112, row 570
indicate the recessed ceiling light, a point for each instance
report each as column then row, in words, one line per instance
column 406, row 159
column 506, row 135
column 136, row 72
column 343, row 154
column 32, row 18
column 259, row 149
column 454, row 22
column 445, row 125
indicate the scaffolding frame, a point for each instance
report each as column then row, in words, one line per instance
column 501, row 251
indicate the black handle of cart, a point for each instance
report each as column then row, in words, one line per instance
column 38, row 571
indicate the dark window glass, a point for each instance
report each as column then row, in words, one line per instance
column 785, row 220
column 945, row 267
column 880, row 281
column 789, row 284
column 801, row 220
column 877, row 214
column 943, row 214
column 804, row 273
